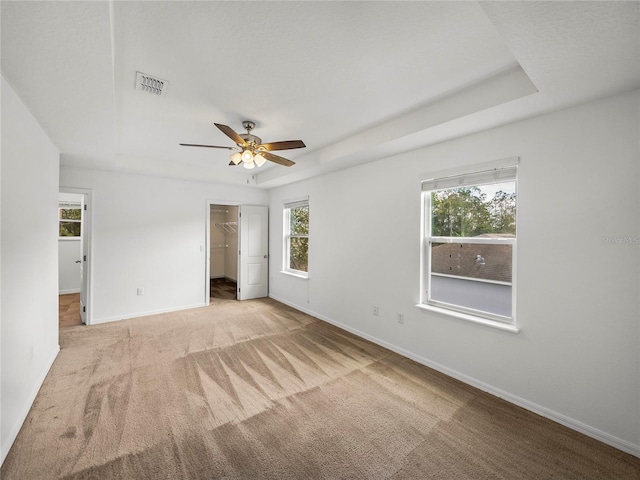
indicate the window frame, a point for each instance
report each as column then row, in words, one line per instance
column 482, row 174
column 287, row 236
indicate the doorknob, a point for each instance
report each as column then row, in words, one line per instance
column 78, row 261
column 265, row 256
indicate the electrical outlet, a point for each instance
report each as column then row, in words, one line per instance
column 400, row 317
column 140, row 291
column 375, row 310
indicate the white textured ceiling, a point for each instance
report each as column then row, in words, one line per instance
column 355, row 81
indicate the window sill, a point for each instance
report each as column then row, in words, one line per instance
column 470, row 318
column 297, row 275
column 67, row 239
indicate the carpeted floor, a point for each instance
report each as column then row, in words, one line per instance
column 257, row 390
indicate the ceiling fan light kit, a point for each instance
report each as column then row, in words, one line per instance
column 259, row 160
column 250, row 150
column 236, row 158
column 247, row 156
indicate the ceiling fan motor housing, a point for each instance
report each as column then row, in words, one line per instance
column 250, row 139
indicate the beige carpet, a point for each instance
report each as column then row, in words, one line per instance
column 254, row 389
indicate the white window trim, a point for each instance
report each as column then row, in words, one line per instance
column 287, row 206
column 471, row 315
column 507, row 327
column 296, row 274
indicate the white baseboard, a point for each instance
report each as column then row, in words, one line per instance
column 66, row 292
column 27, row 406
column 145, row 314
column 576, row 425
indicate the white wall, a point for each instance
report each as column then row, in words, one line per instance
column 149, row 232
column 577, row 357
column 29, row 271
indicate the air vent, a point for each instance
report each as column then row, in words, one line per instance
column 149, row 84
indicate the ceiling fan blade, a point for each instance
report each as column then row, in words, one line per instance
column 277, row 159
column 285, row 145
column 231, row 133
column 231, row 164
column 206, row 146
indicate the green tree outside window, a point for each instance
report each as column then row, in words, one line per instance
column 299, row 238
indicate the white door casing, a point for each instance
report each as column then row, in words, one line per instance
column 253, row 262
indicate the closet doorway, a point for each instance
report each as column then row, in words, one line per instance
column 223, row 252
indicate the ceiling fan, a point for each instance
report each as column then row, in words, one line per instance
column 250, row 150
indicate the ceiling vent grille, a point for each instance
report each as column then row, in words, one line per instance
column 149, row 84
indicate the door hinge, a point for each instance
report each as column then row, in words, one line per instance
column 85, row 208
column 84, row 257
column 84, row 309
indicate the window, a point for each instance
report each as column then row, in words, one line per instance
column 69, row 220
column 296, row 237
column 469, row 245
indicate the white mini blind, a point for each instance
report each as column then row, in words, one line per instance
column 495, row 175
column 301, row 202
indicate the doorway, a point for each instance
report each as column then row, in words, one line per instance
column 74, row 256
column 223, row 252
column 237, row 250
column 69, row 258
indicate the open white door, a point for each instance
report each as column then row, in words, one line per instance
column 84, row 270
column 254, row 252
